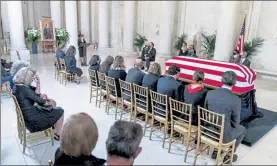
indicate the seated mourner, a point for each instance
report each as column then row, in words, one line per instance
column 135, row 75
column 195, row 94
column 223, row 101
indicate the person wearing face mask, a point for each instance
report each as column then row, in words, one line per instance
column 192, row 52
column 184, row 50
column 235, row 58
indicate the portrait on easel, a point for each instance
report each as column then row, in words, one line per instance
column 47, row 29
column 48, row 36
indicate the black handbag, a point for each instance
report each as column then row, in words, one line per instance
column 44, row 108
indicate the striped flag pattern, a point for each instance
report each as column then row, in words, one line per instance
column 241, row 38
column 213, row 72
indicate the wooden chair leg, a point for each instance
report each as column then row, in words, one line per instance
column 131, row 112
column 108, row 105
column 218, row 157
column 116, row 107
column 24, row 142
column 145, row 124
column 96, row 100
column 197, row 150
column 151, row 130
column 171, row 137
column 46, row 133
column 187, row 144
column 165, row 131
column 232, row 153
column 52, row 136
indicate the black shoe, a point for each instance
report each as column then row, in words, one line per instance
column 227, row 157
column 56, row 137
column 214, row 155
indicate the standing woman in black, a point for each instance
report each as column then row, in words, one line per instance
column 82, row 50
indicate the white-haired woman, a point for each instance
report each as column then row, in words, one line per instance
column 36, row 119
column 17, row 65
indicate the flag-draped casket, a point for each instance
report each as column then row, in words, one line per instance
column 213, row 72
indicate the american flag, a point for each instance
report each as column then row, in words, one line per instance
column 241, row 38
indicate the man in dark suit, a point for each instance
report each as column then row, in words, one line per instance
column 223, row 101
column 168, row 85
column 243, row 60
column 149, row 55
column 135, row 75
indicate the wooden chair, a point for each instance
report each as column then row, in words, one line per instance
column 6, row 89
column 213, row 136
column 22, row 131
column 64, row 75
column 141, row 100
column 126, row 93
column 93, row 85
column 112, row 95
column 57, row 70
column 181, row 115
column 102, row 87
column 159, row 104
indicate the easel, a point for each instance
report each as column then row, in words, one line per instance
column 47, row 44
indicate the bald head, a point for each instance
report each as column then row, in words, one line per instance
column 139, row 63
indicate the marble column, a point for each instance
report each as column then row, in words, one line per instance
column 5, row 19
column 71, row 22
column 84, row 14
column 166, row 29
column 225, row 37
column 103, row 24
column 94, row 20
column 17, row 31
column 129, row 25
column 31, row 14
column 56, row 13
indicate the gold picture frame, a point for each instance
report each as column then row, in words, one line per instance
column 47, row 28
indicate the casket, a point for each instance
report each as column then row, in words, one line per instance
column 214, row 70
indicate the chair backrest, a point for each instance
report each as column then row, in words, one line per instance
column 111, row 86
column 92, row 77
column 62, row 63
column 180, row 112
column 102, row 80
column 141, row 97
column 126, row 90
column 210, row 124
column 19, row 113
column 159, row 104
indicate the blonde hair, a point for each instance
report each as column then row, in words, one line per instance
column 24, row 76
column 155, row 69
column 79, row 135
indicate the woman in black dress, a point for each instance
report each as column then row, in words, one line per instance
column 35, row 118
column 195, row 94
column 184, row 50
column 71, row 64
column 82, row 50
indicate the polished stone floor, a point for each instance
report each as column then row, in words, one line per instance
column 75, row 98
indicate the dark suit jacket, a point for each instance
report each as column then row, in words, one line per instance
column 151, row 53
column 135, row 75
column 181, row 53
column 117, row 74
column 81, row 46
column 234, row 60
column 150, row 80
column 89, row 160
column 167, row 85
column 246, row 62
column 223, row 101
column 195, row 99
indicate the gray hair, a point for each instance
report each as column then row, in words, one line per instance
column 198, row 76
column 61, row 46
column 24, row 76
column 17, row 65
column 155, row 69
column 124, row 139
column 71, row 51
column 229, row 78
column 139, row 63
column 107, row 63
column 118, row 62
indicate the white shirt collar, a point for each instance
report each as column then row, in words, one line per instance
column 227, row 87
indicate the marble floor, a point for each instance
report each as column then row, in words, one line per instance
column 75, row 98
